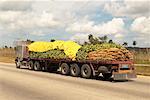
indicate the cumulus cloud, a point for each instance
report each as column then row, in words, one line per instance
column 16, row 21
column 141, row 30
column 40, row 18
column 116, row 25
column 128, row 8
column 15, row 5
column 38, row 33
column 119, row 36
column 9, row 16
column 80, row 38
column 32, row 20
column 29, row 15
column 141, row 25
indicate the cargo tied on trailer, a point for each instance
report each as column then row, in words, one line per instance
column 70, row 58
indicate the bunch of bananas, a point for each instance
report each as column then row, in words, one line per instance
column 54, row 54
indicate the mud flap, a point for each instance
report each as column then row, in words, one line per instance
column 124, row 76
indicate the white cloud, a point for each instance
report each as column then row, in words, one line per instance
column 38, row 33
column 128, row 8
column 38, row 17
column 8, row 5
column 118, row 36
column 82, row 28
column 116, row 25
column 32, row 20
column 24, row 15
column 80, row 38
column 141, row 28
column 9, row 16
column 141, row 25
column 15, row 21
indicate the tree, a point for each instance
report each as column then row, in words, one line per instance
column 110, row 41
column 85, row 43
column 15, row 48
column 103, row 39
column 52, row 40
column 6, row 46
column 98, row 40
column 125, row 44
column 29, row 41
column 134, row 43
column 93, row 40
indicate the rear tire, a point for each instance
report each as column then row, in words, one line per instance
column 37, row 66
column 65, row 69
column 30, row 65
column 86, row 71
column 74, row 70
column 107, row 76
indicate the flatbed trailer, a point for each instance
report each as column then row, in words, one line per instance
column 119, row 70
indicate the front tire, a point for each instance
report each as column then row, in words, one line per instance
column 74, row 70
column 18, row 64
column 107, row 76
column 31, row 65
column 65, row 69
column 86, row 71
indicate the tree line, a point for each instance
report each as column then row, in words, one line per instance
column 104, row 39
column 92, row 40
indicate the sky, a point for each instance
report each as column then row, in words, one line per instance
column 41, row 20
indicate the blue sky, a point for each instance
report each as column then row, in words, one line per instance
column 122, row 21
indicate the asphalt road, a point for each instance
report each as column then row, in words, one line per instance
column 23, row 84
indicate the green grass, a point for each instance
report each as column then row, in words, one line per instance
column 143, row 70
column 141, row 62
column 7, row 55
column 7, row 59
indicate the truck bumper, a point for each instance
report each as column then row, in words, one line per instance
column 124, row 76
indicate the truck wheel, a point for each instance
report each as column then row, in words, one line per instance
column 74, row 70
column 107, row 76
column 18, row 64
column 86, row 71
column 64, row 68
column 31, row 65
column 37, row 66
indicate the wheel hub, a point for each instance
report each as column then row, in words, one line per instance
column 85, row 71
column 64, row 69
column 74, row 70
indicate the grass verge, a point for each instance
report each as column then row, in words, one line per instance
column 141, row 62
column 7, row 59
column 143, row 70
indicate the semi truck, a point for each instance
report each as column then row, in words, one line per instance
column 118, row 70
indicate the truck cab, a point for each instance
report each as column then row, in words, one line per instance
column 22, row 53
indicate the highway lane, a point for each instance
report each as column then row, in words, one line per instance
column 23, row 84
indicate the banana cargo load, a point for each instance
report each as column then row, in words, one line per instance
column 69, row 58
